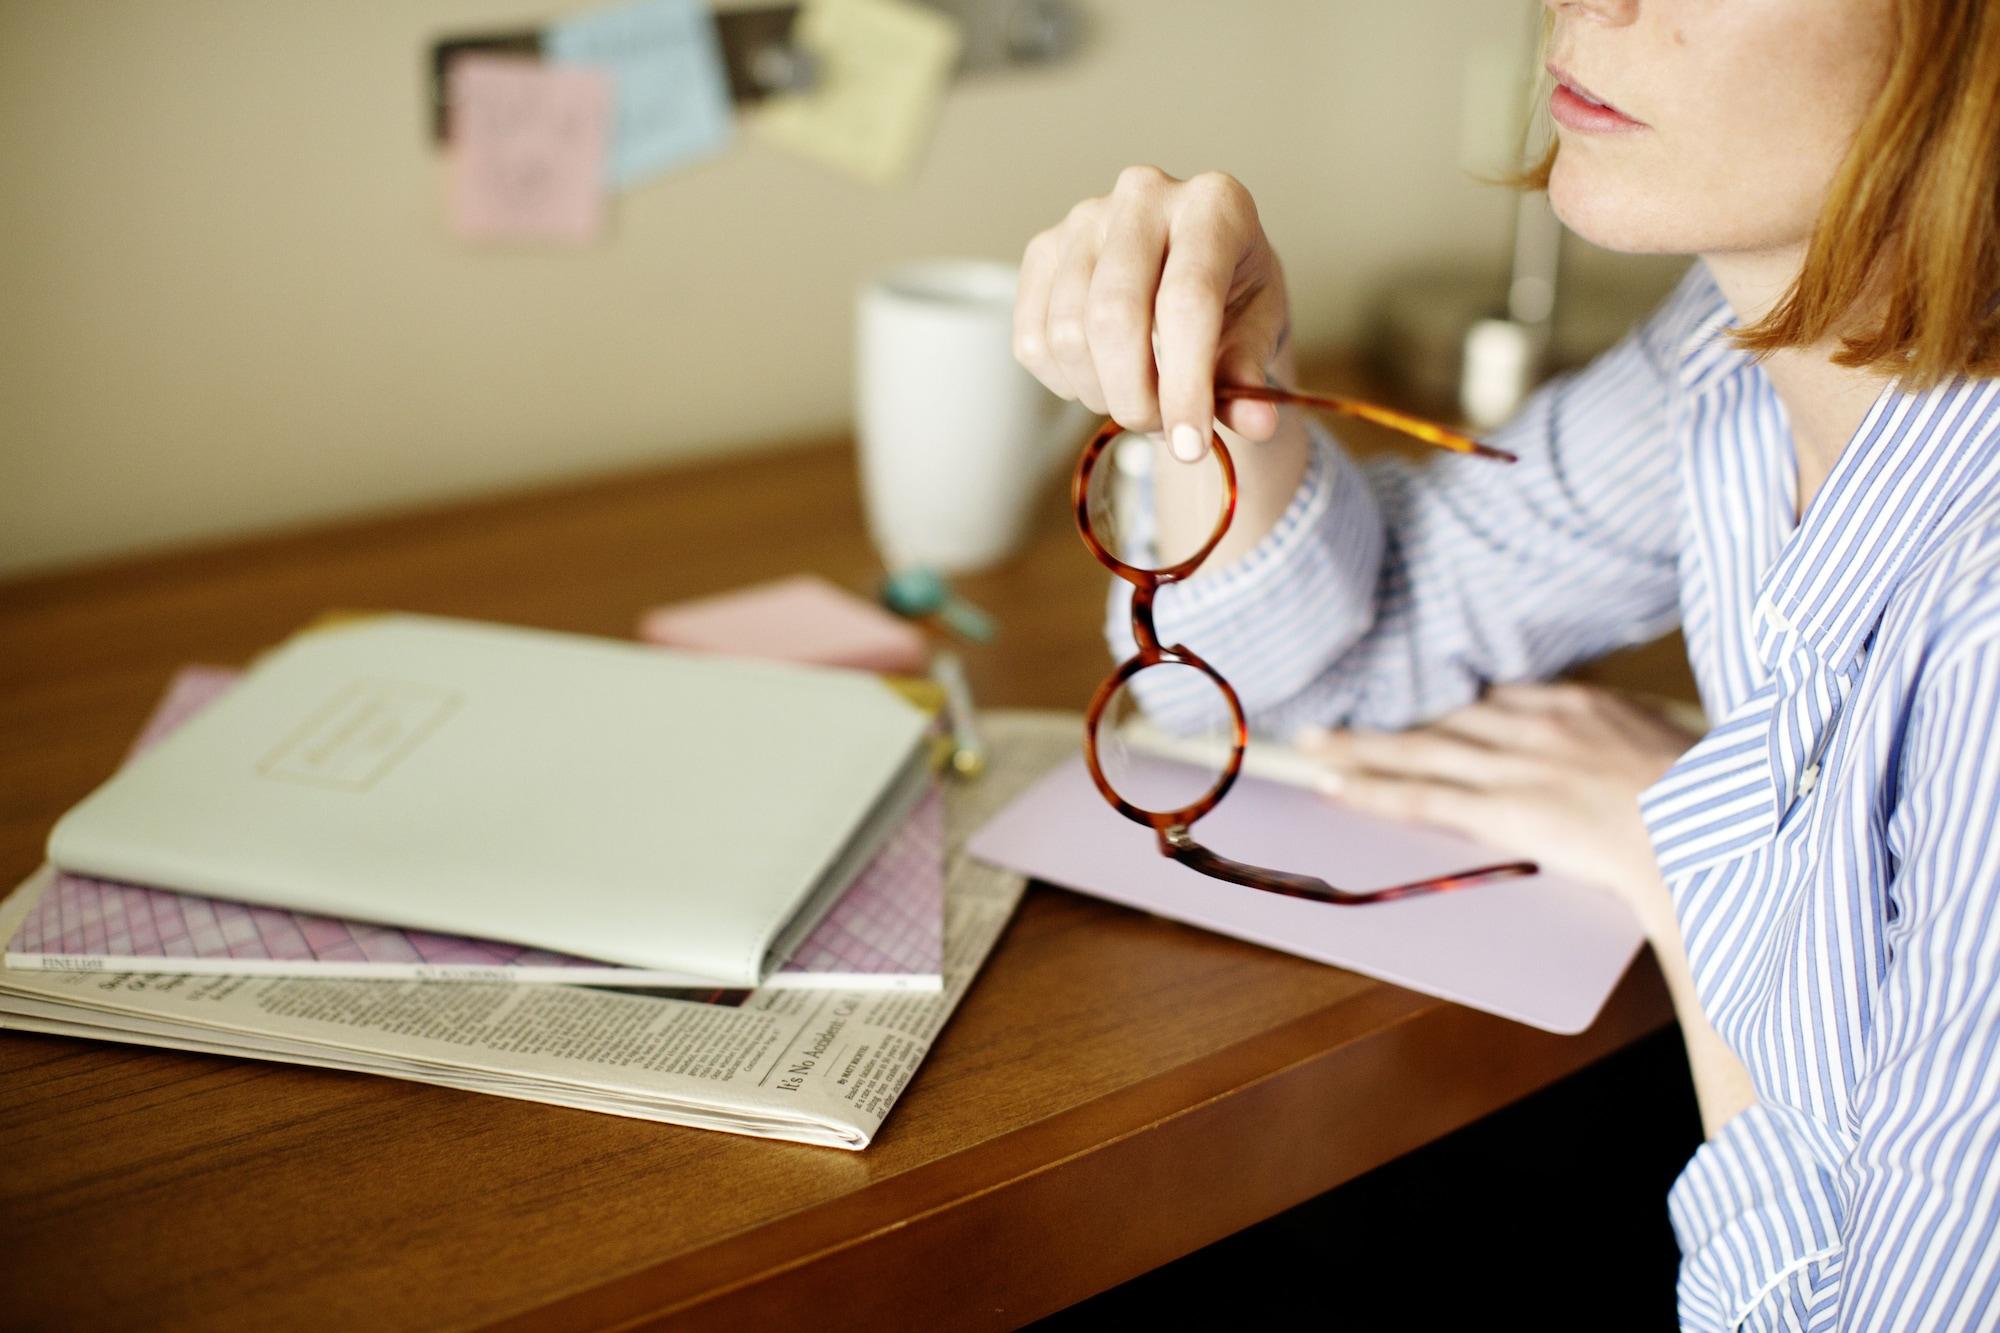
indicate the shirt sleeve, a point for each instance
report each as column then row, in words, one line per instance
column 1781, row 1229
column 1397, row 590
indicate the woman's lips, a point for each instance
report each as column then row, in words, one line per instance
column 1573, row 108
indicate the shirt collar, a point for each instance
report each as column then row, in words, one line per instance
column 1708, row 355
column 1913, row 455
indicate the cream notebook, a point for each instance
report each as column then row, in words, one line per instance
column 598, row 798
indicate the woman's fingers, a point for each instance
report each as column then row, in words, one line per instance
column 1140, row 302
column 1253, row 420
column 1214, row 228
column 1188, row 314
column 1257, row 321
column 1069, row 305
column 1423, row 753
column 1031, row 310
column 1479, row 815
column 1537, row 731
column 1540, row 696
column 1118, row 319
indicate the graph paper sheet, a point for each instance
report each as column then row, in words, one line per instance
column 887, row 929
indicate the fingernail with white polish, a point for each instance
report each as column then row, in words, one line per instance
column 1187, row 443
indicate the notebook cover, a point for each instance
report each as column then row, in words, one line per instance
column 566, row 793
column 886, row 932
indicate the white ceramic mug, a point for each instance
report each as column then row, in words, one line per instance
column 956, row 439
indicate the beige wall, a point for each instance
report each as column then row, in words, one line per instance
column 230, row 301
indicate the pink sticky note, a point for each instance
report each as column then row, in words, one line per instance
column 800, row 619
column 528, row 144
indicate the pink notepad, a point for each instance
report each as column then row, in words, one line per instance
column 1543, row 950
column 885, row 932
column 800, row 619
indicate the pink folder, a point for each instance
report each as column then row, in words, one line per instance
column 1540, row 950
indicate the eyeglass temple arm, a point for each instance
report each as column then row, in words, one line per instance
column 1402, row 422
column 1175, row 842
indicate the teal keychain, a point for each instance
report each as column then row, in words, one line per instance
column 922, row 593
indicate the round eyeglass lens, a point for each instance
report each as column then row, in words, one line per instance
column 1165, row 737
column 1150, row 509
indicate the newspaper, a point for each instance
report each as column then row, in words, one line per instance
column 820, row 1067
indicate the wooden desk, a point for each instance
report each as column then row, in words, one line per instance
column 1115, row 1091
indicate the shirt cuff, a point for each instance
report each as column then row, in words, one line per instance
column 1275, row 619
column 1752, row 1211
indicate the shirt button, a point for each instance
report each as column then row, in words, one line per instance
column 1809, row 779
column 1773, row 616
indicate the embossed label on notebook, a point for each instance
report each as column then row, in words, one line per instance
column 360, row 734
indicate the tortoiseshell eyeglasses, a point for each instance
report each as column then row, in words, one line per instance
column 1150, row 550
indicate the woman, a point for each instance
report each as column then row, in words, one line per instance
column 1797, row 459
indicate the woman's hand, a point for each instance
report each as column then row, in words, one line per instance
column 1551, row 772
column 1138, row 303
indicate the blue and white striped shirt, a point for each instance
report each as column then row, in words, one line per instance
column 1832, row 846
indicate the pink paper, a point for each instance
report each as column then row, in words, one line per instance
column 800, row 619
column 1542, row 950
column 528, row 144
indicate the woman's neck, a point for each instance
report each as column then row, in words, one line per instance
column 1825, row 403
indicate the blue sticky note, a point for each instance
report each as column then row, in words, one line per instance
column 671, row 99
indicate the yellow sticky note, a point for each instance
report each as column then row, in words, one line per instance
column 882, row 66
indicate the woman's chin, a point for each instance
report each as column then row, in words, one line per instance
column 1613, row 214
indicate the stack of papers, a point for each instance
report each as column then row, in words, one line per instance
column 817, row 1067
